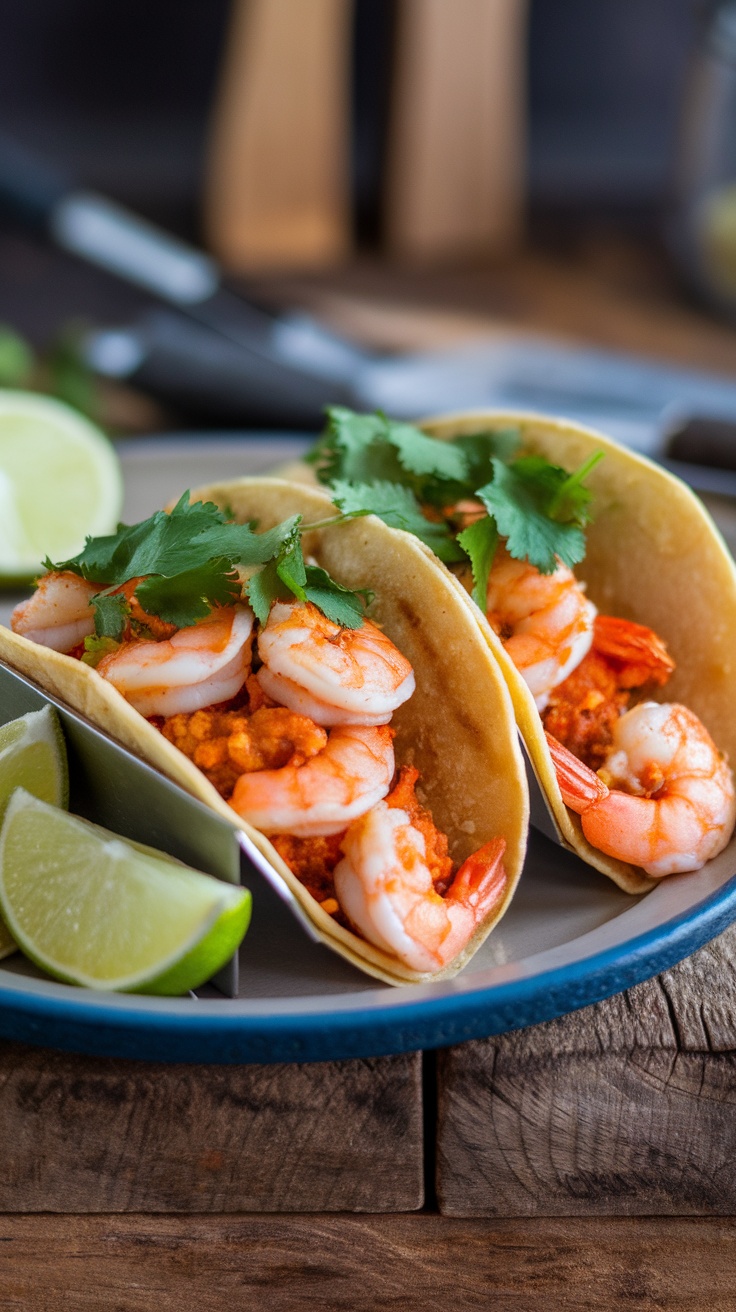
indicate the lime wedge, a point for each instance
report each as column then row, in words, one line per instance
column 59, row 481
column 92, row 909
column 32, row 756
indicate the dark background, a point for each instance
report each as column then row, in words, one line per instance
column 121, row 93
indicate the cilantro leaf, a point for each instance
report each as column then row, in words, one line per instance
column 243, row 546
column 372, row 448
column 291, row 569
column 351, row 447
column 479, row 450
column 287, row 576
column 162, row 544
column 339, row 604
column 184, row 598
column 187, row 562
column 398, row 507
column 480, row 540
column 111, row 615
column 423, row 455
column 519, row 499
column 571, row 502
column 184, row 539
column 264, row 588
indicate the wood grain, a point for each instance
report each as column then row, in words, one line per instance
column 277, row 192
column 456, row 145
column 364, row 1264
column 83, row 1134
column 627, row 1107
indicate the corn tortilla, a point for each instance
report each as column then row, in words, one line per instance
column 458, row 728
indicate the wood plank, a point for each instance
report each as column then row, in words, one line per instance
column 277, row 191
column 456, row 149
column 86, row 1134
column 627, row 1107
column 415, row 1263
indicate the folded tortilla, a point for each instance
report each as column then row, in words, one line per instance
column 458, row 728
column 655, row 556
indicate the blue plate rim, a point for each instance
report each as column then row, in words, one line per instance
column 80, row 1025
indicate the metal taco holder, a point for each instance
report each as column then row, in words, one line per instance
column 114, row 788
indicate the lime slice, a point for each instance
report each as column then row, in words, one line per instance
column 32, row 756
column 91, row 909
column 59, row 481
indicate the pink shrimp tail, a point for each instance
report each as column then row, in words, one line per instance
column 580, row 786
column 640, row 650
column 481, row 880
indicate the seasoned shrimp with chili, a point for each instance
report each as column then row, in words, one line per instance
column 321, row 796
column 333, row 675
column 582, row 711
column 199, row 666
column 386, row 889
column 58, row 615
column 664, row 798
column 544, row 621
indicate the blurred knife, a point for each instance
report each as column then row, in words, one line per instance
column 212, row 350
column 292, row 367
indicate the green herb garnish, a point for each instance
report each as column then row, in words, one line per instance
column 395, row 471
column 188, row 562
column 398, row 507
column 479, row 541
column 540, row 509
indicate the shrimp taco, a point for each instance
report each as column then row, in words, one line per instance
column 606, row 595
column 374, row 761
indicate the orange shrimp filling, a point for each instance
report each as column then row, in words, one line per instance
column 251, row 733
column 583, row 710
column 313, row 860
column 224, row 744
column 437, row 859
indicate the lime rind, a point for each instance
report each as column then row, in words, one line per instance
column 81, row 903
column 60, row 480
column 205, row 959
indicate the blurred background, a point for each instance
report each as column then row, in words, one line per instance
column 414, row 175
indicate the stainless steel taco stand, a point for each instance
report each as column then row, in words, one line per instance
column 113, row 788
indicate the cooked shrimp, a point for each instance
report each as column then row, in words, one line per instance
column 200, row 666
column 386, row 890
column 58, row 615
column 637, row 653
column 331, row 674
column 582, row 711
column 343, row 781
column 664, row 799
column 544, row 621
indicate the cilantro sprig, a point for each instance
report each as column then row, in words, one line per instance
column 373, row 465
column 194, row 558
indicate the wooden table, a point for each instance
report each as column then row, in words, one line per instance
column 589, row 1163
column 570, row 1166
